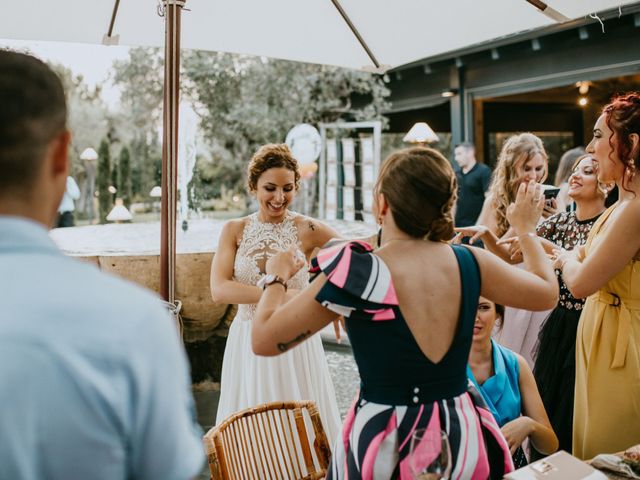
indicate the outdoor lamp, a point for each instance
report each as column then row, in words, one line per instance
column 89, row 154
column 119, row 213
column 89, row 159
column 156, row 192
column 420, row 133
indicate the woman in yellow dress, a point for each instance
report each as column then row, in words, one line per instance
column 607, row 270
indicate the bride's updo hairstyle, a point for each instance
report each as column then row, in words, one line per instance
column 271, row 155
column 421, row 189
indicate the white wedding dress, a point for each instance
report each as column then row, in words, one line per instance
column 302, row 372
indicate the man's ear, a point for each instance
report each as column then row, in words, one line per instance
column 60, row 154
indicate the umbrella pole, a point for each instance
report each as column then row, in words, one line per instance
column 172, row 15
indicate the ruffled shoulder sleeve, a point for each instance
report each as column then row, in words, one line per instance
column 358, row 282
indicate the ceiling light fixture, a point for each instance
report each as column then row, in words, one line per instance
column 583, row 87
column 420, row 133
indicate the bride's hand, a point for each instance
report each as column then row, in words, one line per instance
column 285, row 264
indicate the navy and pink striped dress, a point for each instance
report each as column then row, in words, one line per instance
column 401, row 389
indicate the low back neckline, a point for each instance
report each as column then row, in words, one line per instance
column 459, row 327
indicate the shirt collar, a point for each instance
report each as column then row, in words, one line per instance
column 19, row 233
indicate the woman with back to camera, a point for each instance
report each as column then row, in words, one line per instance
column 555, row 365
column 508, row 387
column 522, row 159
column 411, row 347
column 607, row 271
column 238, row 266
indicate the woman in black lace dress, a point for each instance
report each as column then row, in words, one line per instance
column 554, row 368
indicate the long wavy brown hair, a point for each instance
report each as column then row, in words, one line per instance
column 515, row 153
column 622, row 115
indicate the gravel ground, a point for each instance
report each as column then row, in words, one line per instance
column 344, row 374
column 343, row 371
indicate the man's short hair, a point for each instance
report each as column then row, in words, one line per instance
column 467, row 146
column 32, row 112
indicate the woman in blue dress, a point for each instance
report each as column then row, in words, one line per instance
column 508, row 387
column 411, row 347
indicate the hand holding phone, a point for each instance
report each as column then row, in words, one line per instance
column 551, row 192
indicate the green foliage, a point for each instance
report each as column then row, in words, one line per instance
column 249, row 101
column 124, row 186
column 243, row 102
column 140, row 80
column 195, row 190
column 104, row 179
column 136, row 124
column 88, row 115
column 115, row 180
column 88, row 122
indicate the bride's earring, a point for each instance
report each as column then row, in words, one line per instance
column 379, row 238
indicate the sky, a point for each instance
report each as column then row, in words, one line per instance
column 93, row 62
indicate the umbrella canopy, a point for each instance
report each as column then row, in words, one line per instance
column 360, row 34
column 396, row 32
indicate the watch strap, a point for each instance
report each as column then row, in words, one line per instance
column 276, row 279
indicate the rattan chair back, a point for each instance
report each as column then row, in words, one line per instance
column 269, row 442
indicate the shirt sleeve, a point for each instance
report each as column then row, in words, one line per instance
column 166, row 441
column 486, row 179
column 358, row 282
column 72, row 188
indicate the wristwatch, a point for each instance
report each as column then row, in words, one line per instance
column 270, row 279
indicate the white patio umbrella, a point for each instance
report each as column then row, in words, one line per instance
column 362, row 34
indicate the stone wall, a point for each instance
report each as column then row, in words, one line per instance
column 132, row 252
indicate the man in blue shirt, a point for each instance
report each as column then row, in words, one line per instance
column 95, row 383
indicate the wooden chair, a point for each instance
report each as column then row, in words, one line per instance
column 269, row 441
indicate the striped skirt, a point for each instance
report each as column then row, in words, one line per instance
column 376, row 440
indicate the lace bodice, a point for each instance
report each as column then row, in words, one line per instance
column 258, row 243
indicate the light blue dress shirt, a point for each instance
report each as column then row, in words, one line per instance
column 71, row 193
column 94, row 383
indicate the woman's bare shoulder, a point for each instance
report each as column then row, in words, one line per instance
column 313, row 232
column 308, row 224
column 234, row 227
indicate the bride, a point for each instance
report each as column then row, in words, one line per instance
column 237, row 277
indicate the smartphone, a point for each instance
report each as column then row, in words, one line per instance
column 552, row 192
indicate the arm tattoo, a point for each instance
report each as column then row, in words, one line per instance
column 312, row 226
column 283, row 347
